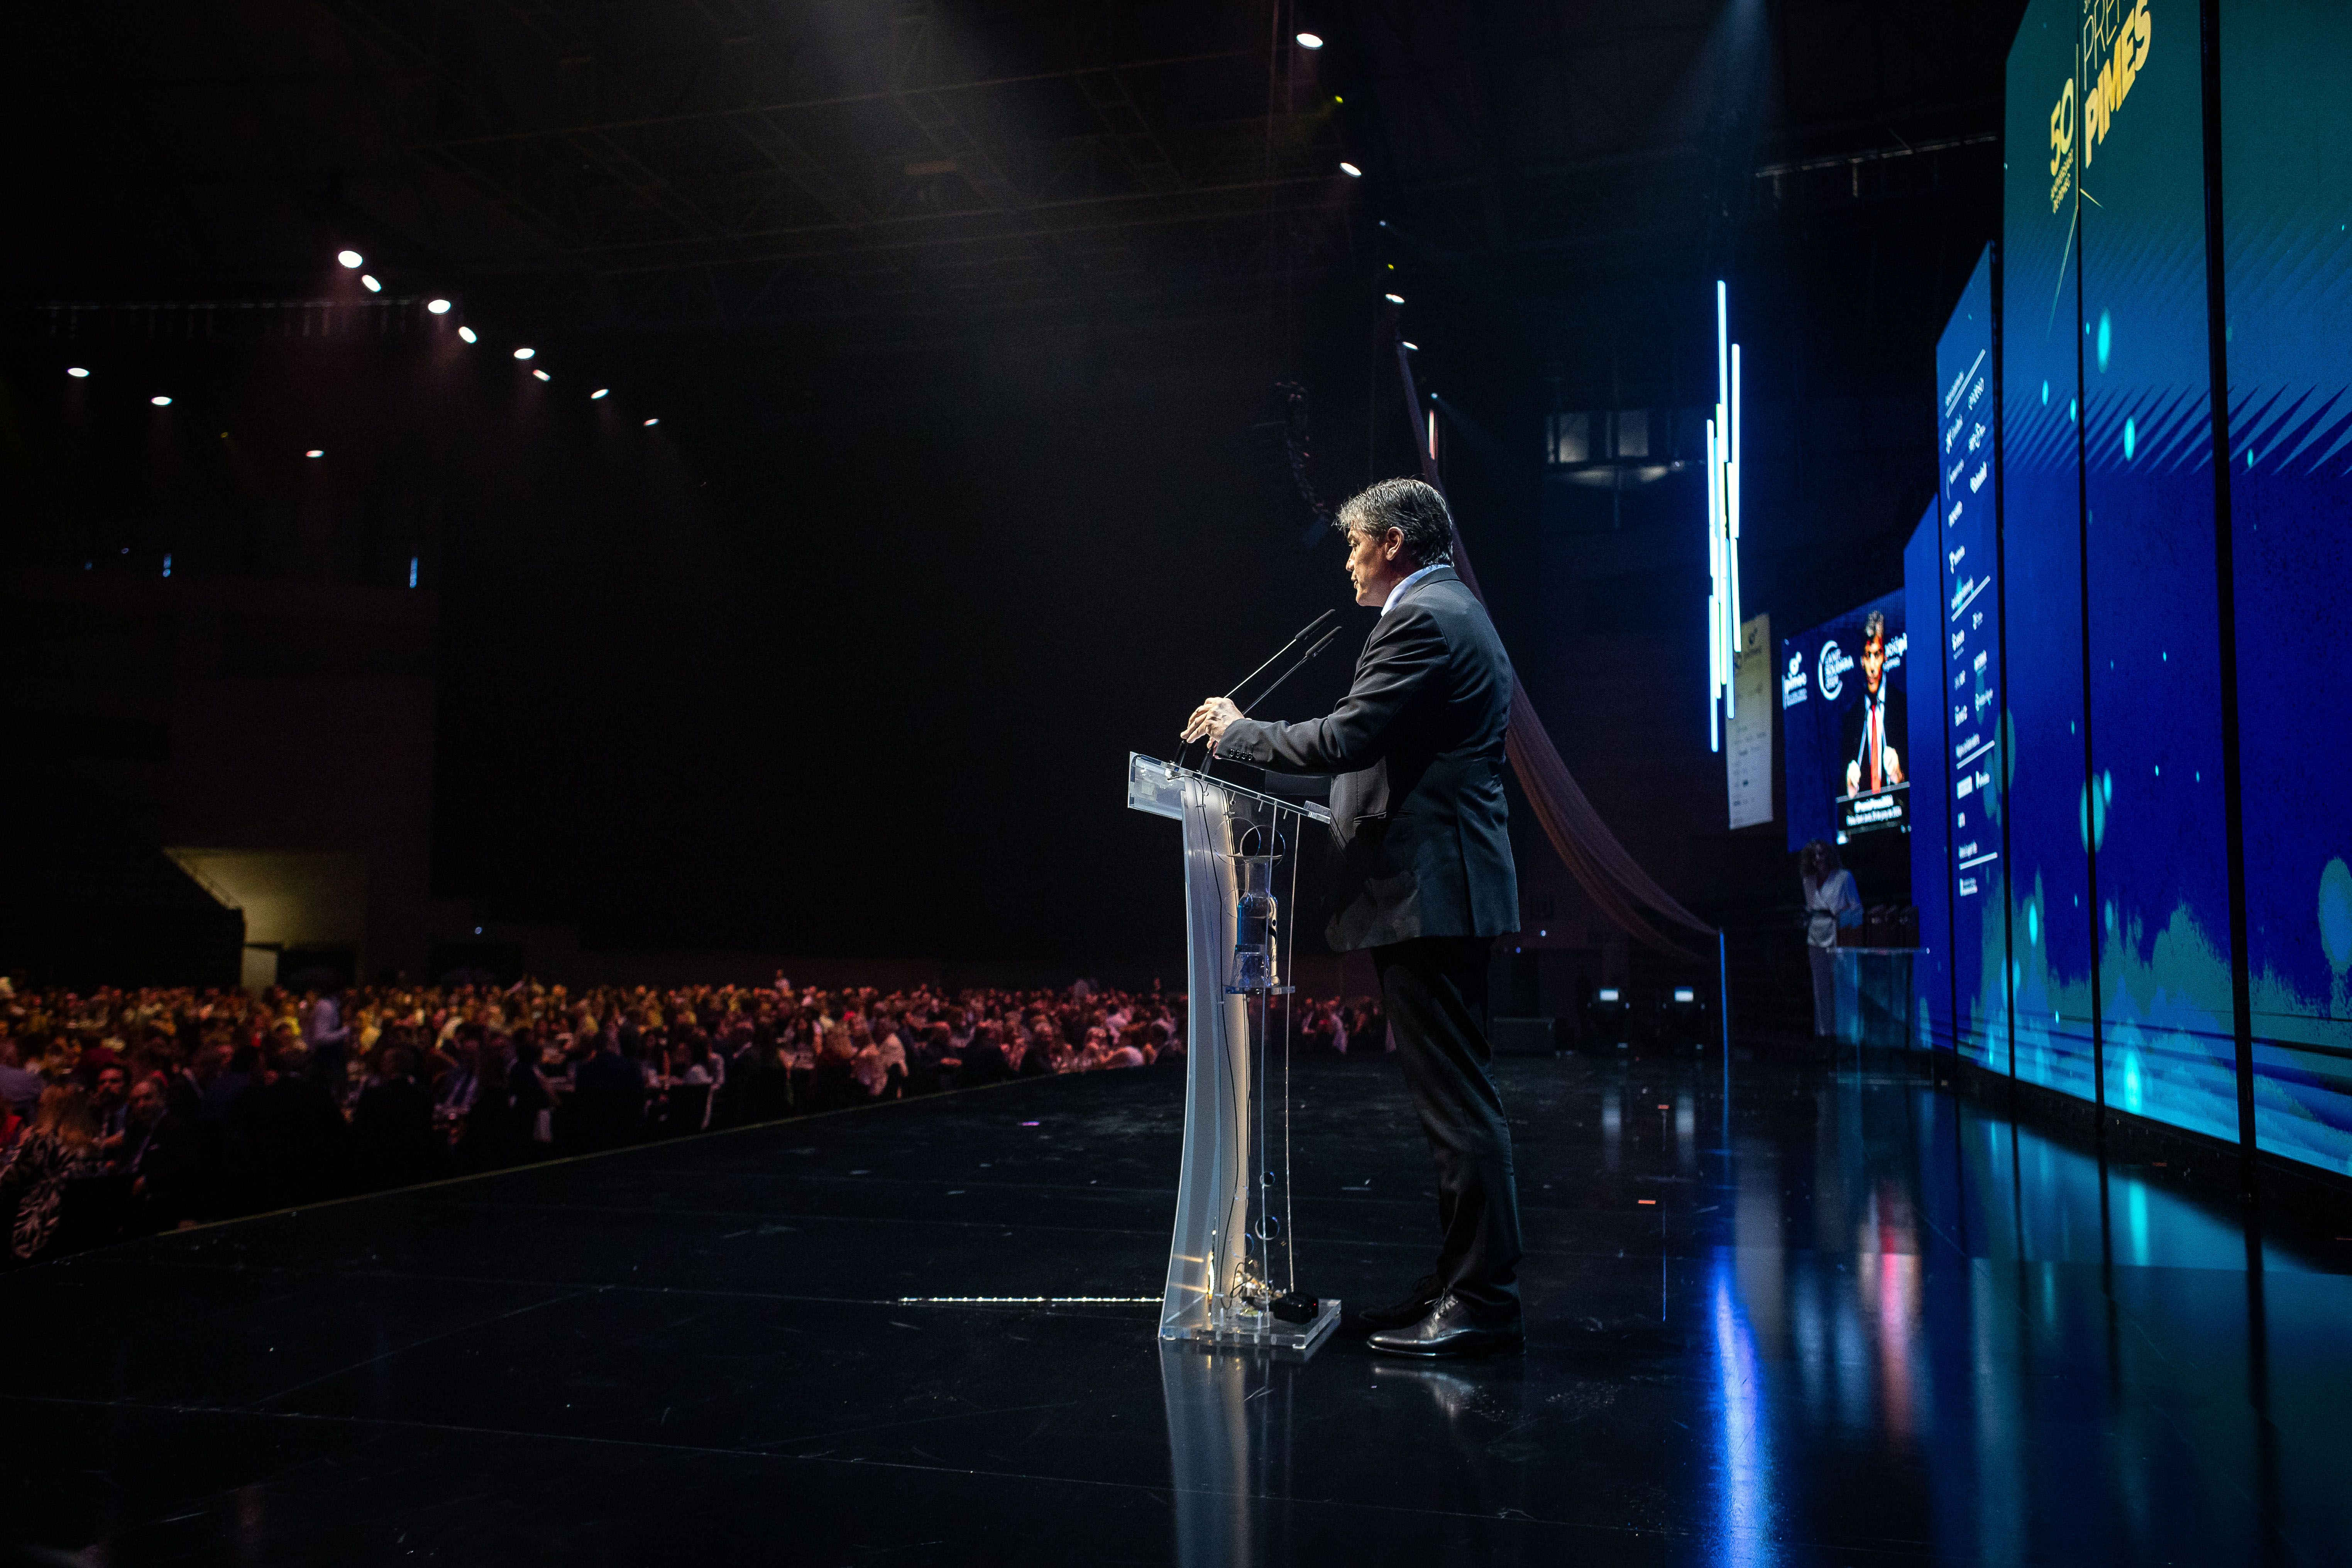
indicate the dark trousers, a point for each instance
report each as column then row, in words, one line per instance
column 1434, row 989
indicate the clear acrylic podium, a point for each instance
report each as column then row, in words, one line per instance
column 1232, row 1255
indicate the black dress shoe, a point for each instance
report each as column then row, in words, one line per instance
column 1411, row 1311
column 1451, row 1328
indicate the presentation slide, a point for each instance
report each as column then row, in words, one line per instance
column 2285, row 123
column 1843, row 730
column 1931, row 843
column 2053, row 820
column 1971, row 687
column 2162, row 865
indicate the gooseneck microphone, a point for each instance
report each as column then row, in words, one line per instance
column 1183, row 756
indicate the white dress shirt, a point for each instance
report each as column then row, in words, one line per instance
column 1398, row 592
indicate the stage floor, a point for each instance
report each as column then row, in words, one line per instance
column 1846, row 1319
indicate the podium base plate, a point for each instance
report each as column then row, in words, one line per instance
column 1289, row 1340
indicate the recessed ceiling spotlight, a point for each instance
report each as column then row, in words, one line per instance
column 1310, row 40
column 542, row 375
column 599, row 392
column 1411, row 344
column 161, row 402
column 1350, row 169
column 525, row 353
column 1393, row 298
column 351, row 258
column 368, row 282
column 466, row 334
column 77, row 372
column 651, row 423
column 316, row 452
column 438, row 307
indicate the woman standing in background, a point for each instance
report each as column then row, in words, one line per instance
column 1830, row 896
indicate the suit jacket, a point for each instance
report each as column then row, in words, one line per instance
column 1420, row 826
column 1898, row 736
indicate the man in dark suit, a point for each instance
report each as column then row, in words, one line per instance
column 1876, row 738
column 1422, row 875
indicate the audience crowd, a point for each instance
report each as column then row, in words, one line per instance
column 124, row 1112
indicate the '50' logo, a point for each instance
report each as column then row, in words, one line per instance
column 2062, row 145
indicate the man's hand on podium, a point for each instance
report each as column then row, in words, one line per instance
column 1210, row 720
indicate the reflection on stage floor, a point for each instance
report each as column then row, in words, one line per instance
column 1836, row 1318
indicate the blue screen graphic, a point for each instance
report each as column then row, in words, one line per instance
column 2154, row 628
column 2093, row 887
column 1971, row 686
column 2051, row 818
column 2288, row 276
column 1845, row 743
column 1931, row 843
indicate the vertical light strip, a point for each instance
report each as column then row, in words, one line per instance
column 1731, row 551
column 1723, row 603
column 1714, row 649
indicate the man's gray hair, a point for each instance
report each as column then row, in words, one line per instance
column 1408, row 506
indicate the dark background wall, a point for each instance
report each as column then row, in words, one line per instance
column 967, row 481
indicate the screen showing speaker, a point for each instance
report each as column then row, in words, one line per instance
column 1845, row 718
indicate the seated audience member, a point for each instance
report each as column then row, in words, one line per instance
column 608, row 1097
column 298, row 1144
column 60, row 1147
column 159, row 1154
column 391, row 1126
column 110, row 1097
column 533, row 1104
column 20, row 1088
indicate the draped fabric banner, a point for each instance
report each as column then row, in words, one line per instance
column 1610, row 877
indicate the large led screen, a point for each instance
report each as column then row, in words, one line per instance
column 2161, row 861
column 1931, row 844
column 2051, row 818
column 2287, row 123
column 1967, row 399
column 1844, row 732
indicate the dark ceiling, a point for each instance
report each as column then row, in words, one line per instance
column 965, row 324
column 889, row 163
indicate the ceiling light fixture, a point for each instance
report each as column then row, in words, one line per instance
column 1393, row 298
column 77, row 372
column 1350, row 169
column 438, row 307
column 466, row 334
column 351, row 258
column 542, row 375
column 651, row 423
column 161, row 402
column 1310, row 40
column 316, row 452
column 599, row 393
column 525, row 353
column 1411, row 344
column 369, row 284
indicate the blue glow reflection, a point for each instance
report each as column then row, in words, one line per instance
column 1745, row 1510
